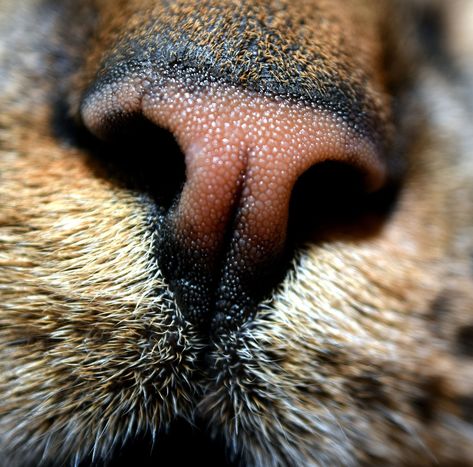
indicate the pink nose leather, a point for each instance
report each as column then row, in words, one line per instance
column 243, row 154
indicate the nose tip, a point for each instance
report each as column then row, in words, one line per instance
column 244, row 152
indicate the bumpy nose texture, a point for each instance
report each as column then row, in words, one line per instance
column 243, row 155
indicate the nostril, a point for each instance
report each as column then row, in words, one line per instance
column 327, row 196
column 145, row 156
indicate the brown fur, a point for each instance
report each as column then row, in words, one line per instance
column 363, row 355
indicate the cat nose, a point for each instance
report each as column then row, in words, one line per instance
column 221, row 240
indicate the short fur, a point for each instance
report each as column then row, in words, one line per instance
column 362, row 356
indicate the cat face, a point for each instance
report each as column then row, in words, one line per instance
column 254, row 217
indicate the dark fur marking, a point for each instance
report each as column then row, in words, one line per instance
column 466, row 406
column 424, row 408
column 425, row 404
column 439, row 311
column 464, row 341
column 368, row 391
column 440, row 306
column 28, row 338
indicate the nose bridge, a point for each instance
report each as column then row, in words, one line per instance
column 246, row 139
column 326, row 52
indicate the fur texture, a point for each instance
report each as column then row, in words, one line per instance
column 363, row 355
